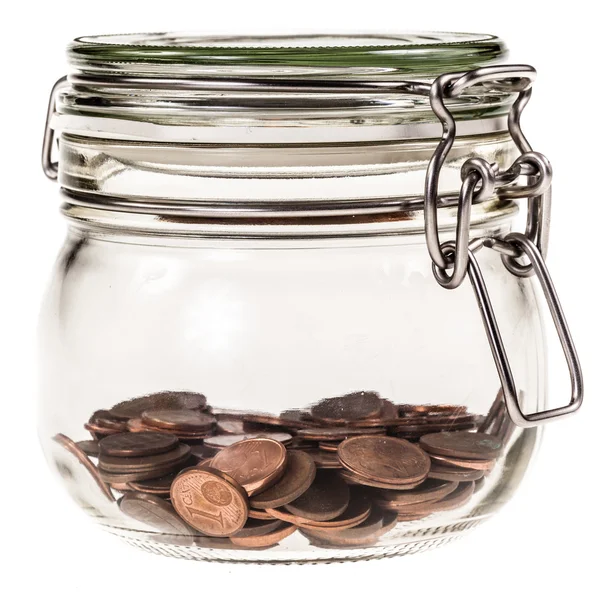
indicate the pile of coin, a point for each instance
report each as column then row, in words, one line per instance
column 342, row 472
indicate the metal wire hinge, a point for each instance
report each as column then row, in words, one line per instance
column 453, row 260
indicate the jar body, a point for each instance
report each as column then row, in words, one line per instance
column 276, row 325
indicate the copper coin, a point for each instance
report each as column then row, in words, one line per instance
column 155, row 512
column 99, row 431
column 463, row 463
column 274, row 420
column 448, row 473
column 255, row 464
column 263, row 541
column 364, row 533
column 328, row 446
column 210, row 501
column 261, row 515
column 90, row 447
column 463, row 444
column 182, row 421
column 137, row 444
column 429, row 491
column 456, row 499
column 359, row 509
column 353, row 479
column 255, row 527
column 160, row 486
column 351, row 407
column 299, row 474
column 117, row 478
column 138, row 426
column 334, row 433
column 387, row 416
column 71, row 447
column 327, row 498
column 131, row 409
column 427, row 409
column 134, row 464
column 384, row 459
column 219, row 442
column 323, row 459
column 121, row 487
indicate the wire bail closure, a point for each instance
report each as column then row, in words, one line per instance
column 459, row 255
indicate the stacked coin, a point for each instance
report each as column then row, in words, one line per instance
column 131, row 457
column 342, row 472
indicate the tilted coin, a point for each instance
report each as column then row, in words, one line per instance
column 255, row 527
column 456, row 499
column 219, row 442
column 71, row 447
column 299, row 474
column 428, row 409
column 358, row 510
column 334, row 433
column 182, row 421
column 285, row 422
column 90, row 447
column 134, row 464
column 210, row 501
column 463, row 444
column 255, row 463
column 449, row 473
column 384, row 459
column 354, row 479
column 155, row 473
column 137, row 444
column 261, row 515
column 155, row 512
column 464, row 463
column 160, row 486
column 323, row 459
column 266, row 540
column 131, row 409
column 351, row 407
column 327, row 498
column 328, row 446
column 429, row 491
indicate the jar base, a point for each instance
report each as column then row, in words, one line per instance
column 402, row 541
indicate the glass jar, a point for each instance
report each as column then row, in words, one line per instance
column 245, row 354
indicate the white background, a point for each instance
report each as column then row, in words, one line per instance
column 543, row 543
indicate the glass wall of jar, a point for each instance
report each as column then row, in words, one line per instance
column 244, row 353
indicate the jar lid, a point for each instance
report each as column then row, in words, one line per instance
column 280, row 56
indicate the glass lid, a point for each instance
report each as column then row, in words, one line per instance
column 408, row 53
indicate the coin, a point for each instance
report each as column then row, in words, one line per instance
column 353, row 479
column 134, row 464
column 351, row 407
column 137, row 444
column 334, row 433
column 359, row 509
column 71, row 447
column 464, row 463
column 255, row 527
column 449, row 473
column 261, row 515
column 131, row 409
column 283, row 421
column 463, row 444
column 117, row 478
column 182, row 421
column 299, row 474
column 155, row 512
column 323, row 459
column 210, row 501
column 160, row 486
column 327, row 498
column 456, row 499
column 90, row 447
column 266, row 540
column 384, row 459
column 219, row 442
column 254, row 463
column 429, row 491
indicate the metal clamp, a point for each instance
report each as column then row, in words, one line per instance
column 51, row 167
column 524, row 244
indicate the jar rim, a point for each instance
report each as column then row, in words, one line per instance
column 384, row 54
